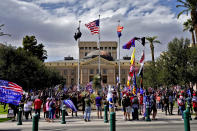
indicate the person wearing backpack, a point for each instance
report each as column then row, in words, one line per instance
column 181, row 103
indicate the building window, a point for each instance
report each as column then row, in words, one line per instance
column 86, row 48
column 72, row 72
column 91, row 71
column 109, row 48
column 65, row 81
column 97, row 71
column 113, row 48
column 91, row 78
column 94, row 48
column 123, row 81
column 105, row 48
column 104, row 79
column 101, row 48
column 81, row 48
column 86, row 53
column 90, row 48
column 104, row 71
column 72, row 81
column 65, row 72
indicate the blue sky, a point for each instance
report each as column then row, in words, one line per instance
column 54, row 22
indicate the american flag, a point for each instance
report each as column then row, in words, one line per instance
column 93, row 27
column 11, row 86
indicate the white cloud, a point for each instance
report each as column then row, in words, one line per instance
column 55, row 26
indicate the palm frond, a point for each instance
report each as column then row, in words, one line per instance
column 182, row 13
column 181, row 1
column 157, row 41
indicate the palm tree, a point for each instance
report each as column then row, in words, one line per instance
column 152, row 40
column 189, row 26
column 190, row 7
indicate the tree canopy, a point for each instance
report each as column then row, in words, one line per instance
column 27, row 71
column 33, row 48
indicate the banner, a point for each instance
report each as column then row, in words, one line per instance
column 9, row 96
column 10, row 92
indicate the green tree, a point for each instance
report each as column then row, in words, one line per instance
column 190, row 6
column 27, row 71
column 30, row 45
column 152, row 40
column 188, row 26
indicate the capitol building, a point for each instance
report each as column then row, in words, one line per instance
column 89, row 61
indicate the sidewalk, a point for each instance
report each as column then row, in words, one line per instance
column 78, row 121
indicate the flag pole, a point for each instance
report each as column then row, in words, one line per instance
column 119, row 100
column 99, row 66
column 119, row 57
column 78, row 40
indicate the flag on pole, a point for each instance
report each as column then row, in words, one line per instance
column 133, row 57
column 10, row 92
column 93, row 27
column 77, row 34
column 70, row 105
column 119, row 30
column 140, row 73
column 134, row 84
column 129, row 44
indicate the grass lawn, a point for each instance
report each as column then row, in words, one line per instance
column 2, row 110
column 4, row 119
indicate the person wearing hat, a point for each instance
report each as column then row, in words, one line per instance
column 194, row 102
column 181, row 103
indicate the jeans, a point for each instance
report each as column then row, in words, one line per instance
column 51, row 113
column 87, row 112
column 182, row 108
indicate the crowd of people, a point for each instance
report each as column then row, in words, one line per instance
column 132, row 105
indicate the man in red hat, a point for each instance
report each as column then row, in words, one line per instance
column 181, row 103
column 194, row 101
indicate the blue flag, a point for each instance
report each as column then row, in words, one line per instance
column 70, row 105
column 10, row 92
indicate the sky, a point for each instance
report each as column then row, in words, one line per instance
column 54, row 23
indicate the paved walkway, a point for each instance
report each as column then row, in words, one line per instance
column 162, row 119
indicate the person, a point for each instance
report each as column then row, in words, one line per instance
column 141, row 104
column 74, row 100
column 98, row 101
column 27, row 109
column 166, row 104
column 15, row 110
column 47, row 109
column 135, row 106
column 171, row 103
column 83, row 103
column 124, row 105
column 52, row 108
column 181, row 104
column 37, row 106
column 194, row 102
column 87, row 108
column 153, row 106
